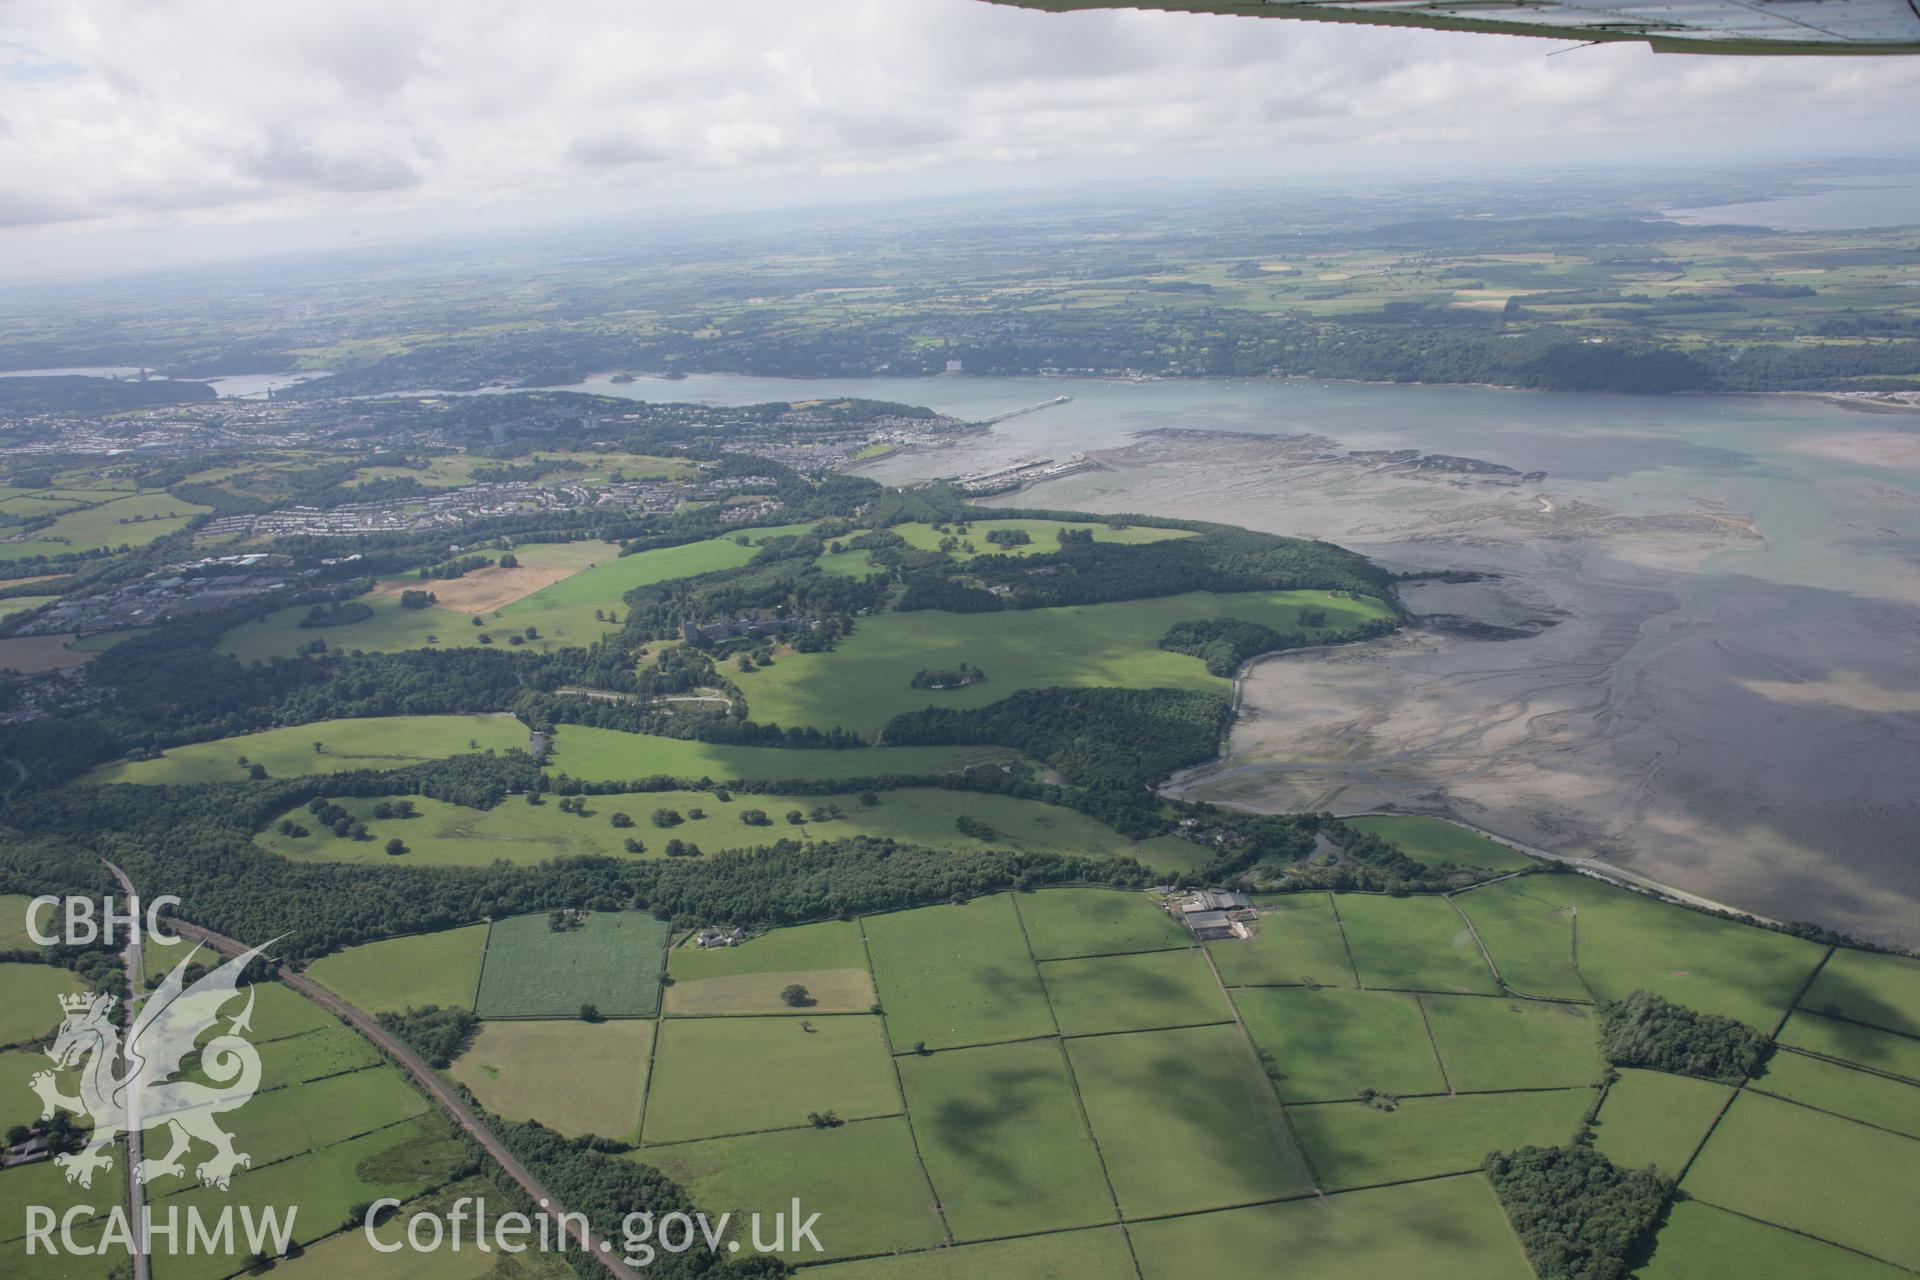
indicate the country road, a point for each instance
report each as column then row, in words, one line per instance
column 136, row 1193
column 428, row 1079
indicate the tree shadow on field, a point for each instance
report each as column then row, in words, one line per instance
column 972, row 1128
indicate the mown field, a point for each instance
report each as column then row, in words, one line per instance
column 561, row 614
column 612, row 962
column 573, row 1077
column 397, row 974
column 377, row 742
column 867, row 679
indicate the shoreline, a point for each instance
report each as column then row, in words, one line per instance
column 1176, row 783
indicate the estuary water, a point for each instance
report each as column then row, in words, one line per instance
column 1888, row 200
column 1711, row 609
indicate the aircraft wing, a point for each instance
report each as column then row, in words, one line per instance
column 1669, row 26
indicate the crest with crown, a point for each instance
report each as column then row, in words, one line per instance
column 86, row 1001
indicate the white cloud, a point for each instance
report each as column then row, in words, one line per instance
column 124, row 113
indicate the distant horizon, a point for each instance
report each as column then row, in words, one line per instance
column 818, row 202
column 133, row 138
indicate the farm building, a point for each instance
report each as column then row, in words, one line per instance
column 1208, row 925
column 1209, row 915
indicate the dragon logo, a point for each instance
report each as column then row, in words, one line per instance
column 143, row 1094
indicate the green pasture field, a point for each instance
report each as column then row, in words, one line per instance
column 15, row 605
column 1700, row 1240
column 15, row 1264
column 1529, row 935
column 1433, row 843
column 861, row 1178
column 956, row 975
column 101, row 641
column 1630, row 941
column 124, row 519
column 279, row 1012
column 45, row 1183
column 1447, row 1229
column 1412, row 944
column 444, row 834
column 1003, row 1140
column 401, row 1161
column 1067, row 923
column 1185, row 1120
column 1295, row 942
column 867, row 679
column 1866, row 986
column 612, row 962
column 13, row 923
column 760, row 535
column 43, row 502
column 1045, row 535
column 1097, row 1254
column 1653, row 1118
column 573, row 1077
column 1513, row 1044
column 281, row 1124
column 829, row 959
column 1805, row 1171
column 1851, row 1042
column 1355, row 1144
column 831, row 944
column 1143, row 992
column 1329, row 1043
column 1846, row 1091
column 313, row 1055
column 719, row 1076
column 376, row 742
column 396, row 974
column 562, row 613
column 18, row 1103
column 846, row 564
column 828, row 991
column 30, row 1000
column 608, row 755
column 349, row 1254
column 927, row 816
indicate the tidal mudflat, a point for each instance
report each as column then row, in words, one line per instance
column 1697, row 654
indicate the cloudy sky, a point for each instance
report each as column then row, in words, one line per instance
column 133, row 130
